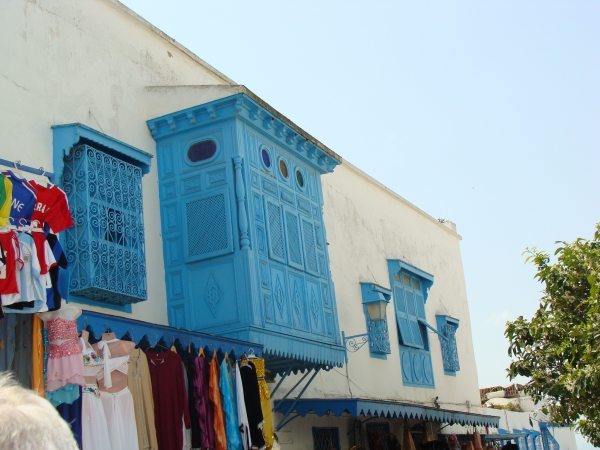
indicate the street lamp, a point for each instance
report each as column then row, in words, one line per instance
column 375, row 300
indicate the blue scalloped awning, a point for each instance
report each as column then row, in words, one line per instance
column 356, row 407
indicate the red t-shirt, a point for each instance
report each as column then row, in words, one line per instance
column 11, row 254
column 52, row 207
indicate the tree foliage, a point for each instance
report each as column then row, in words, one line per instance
column 559, row 348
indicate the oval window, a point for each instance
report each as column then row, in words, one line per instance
column 299, row 178
column 202, row 151
column 283, row 168
column 266, row 159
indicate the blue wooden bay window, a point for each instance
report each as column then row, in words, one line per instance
column 447, row 327
column 102, row 178
column 409, row 288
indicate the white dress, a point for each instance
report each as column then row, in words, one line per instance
column 118, row 406
column 94, row 430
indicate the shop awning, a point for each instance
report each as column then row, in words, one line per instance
column 501, row 437
column 98, row 323
column 356, row 407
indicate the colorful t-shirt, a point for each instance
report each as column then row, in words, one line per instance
column 10, row 257
column 5, row 200
column 52, row 207
column 23, row 202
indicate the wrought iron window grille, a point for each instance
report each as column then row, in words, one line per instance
column 447, row 327
column 105, row 248
column 375, row 299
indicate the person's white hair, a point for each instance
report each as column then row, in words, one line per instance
column 28, row 421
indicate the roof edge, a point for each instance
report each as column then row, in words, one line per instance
column 383, row 187
column 170, row 40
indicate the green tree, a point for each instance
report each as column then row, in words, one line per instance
column 559, row 348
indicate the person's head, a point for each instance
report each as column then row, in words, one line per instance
column 28, row 421
column 452, row 440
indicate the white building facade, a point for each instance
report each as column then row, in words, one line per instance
column 96, row 74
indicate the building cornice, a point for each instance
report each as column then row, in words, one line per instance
column 252, row 110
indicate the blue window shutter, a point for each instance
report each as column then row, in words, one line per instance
column 294, row 243
column 402, row 317
column 411, row 309
column 420, row 301
column 275, row 239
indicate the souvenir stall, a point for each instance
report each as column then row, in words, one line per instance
column 119, row 383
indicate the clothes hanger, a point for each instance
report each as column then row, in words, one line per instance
column 16, row 170
column 244, row 360
column 201, row 349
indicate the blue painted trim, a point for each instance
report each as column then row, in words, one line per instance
column 86, row 301
column 122, row 325
column 243, row 107
column 298, row 348
column 64, row 137
column 29, row 169
column 357, row 407
column 395, row 265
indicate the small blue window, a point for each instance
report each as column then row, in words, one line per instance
column 447, row 327
column 377, row 330
column 202, row 151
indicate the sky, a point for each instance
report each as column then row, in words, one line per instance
column 483, row 113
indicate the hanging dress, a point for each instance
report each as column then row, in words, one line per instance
column 215, row 398
column 241, row 410
column 170, row 399
column 234, row 441
column 252, row 401
column 202, row 404
column 65, row 364
column 140, row 385
column 265, row 402
column 118, row 406
column 94, row 430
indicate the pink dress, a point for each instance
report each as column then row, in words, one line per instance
column 65, row 363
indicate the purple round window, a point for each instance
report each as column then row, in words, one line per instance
column 266, row 158
column 202, row 151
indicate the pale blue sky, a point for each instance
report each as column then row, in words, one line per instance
column 484, row 113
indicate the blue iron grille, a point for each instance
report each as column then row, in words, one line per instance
column 105, row 247
column 449, row 349
column 206, row 225
column 326, row 438
column 379, row 338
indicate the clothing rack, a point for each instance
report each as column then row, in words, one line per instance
column 97, row 323
column 17, row 165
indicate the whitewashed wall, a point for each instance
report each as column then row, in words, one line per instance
column 92, row 62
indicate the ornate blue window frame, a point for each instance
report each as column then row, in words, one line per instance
column 410, row 288
column 377, row 330
column 117, row 230
column 447, row 327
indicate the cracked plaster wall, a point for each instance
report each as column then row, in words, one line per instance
column 66, row 61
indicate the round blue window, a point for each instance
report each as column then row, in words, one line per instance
column 202, row 151
column 265, row 158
